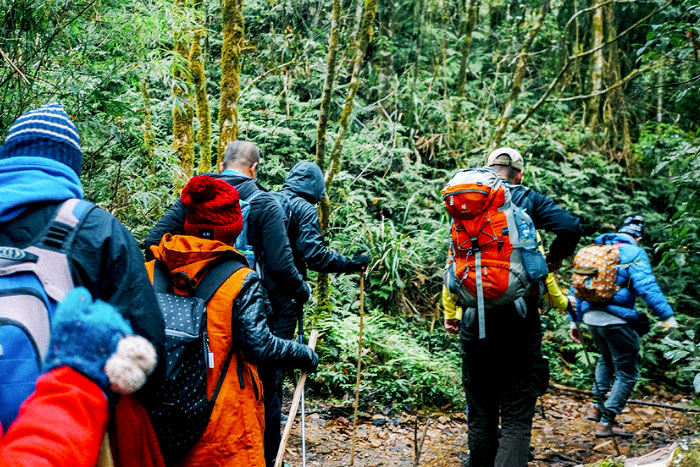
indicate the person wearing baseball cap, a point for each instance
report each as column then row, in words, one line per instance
column 495, row 393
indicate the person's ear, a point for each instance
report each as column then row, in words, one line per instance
column 221, row 167
column 519, row 177
column 254, row 170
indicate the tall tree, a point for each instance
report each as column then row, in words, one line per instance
column 516, row 87
column 328, row 85
column 597, row 67
column 148, row 133
column 471, row 15
column 233, row 28
column 199, row 81
column 364, row 37
column 183, row 112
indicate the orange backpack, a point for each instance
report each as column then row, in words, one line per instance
column 595, row 273
column 494, row 256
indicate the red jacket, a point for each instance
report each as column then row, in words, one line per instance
column 61, row 424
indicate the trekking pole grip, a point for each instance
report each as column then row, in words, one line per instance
column 295, row 405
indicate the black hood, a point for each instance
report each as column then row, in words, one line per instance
column 306, row 178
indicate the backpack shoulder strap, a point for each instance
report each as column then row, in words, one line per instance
column 216, row 277
column 161, row 277
column 65, row 224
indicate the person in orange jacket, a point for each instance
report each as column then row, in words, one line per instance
column 91, row 354
column 236, row 325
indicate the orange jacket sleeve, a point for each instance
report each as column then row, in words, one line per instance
column 61, row 424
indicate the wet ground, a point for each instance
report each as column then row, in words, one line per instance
column 562, row 438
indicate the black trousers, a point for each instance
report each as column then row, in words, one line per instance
column 503, row 375
column 282, row 323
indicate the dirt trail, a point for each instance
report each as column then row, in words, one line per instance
column 564, row 438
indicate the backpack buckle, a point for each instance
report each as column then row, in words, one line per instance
column 475, row 245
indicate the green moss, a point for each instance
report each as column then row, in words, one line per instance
column 233, row 28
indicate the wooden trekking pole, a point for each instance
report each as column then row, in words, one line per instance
column 359, row 366
column 295, row 405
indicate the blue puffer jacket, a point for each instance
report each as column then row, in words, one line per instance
column 635, row 278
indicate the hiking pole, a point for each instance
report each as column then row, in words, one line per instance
column 303, row 421
column 295, row 405
column 359, row 366
column 598, row 397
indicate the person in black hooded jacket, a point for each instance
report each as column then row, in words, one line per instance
column 303, row 188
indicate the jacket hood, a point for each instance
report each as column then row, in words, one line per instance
column 612, row 238
column 191, row 255
column 306, row 178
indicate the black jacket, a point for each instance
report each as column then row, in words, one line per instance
column 104, row 259
column 303, row 188
column 252, row 334
column 266, row 234
column 547, row 215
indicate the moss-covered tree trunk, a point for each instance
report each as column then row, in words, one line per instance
column 471, row 13
column 518, row 75
column 364, row 37
column 199, row 80
column 597, row 68
column 331, row 59
column 183, row 112
column 149, row 135
column 233, row 28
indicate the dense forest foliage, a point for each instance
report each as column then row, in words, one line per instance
column 391, row 96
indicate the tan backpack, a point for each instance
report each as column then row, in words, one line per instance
column 595, row 273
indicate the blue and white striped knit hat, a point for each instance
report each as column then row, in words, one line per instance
column 44, row 132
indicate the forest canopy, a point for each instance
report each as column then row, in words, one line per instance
column 390, row 97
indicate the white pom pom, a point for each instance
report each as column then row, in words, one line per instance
column 140, row 351
column 125, row 377
column 129, row 366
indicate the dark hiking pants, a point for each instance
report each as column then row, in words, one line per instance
column 282, row 323
column 503, row 374
column 617, row 369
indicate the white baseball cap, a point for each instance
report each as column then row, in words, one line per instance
column 508, row 157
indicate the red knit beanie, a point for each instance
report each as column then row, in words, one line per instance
column 213, row 210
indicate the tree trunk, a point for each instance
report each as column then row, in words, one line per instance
column 328, row 85
column 183, row 113
column 231, row 49
column 418, row 19
column 472, row 15
column 660, row 95
column 199, row 80
column 597, row 68
column 148, row 133
column 364, row 37
column 516, row 88
column 386, row 54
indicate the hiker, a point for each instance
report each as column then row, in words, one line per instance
column 52, row 241
column 503, row 369
column 265, row 233
column 236, row 324
column 63, row 422
column 303, row 188
column 615, row 324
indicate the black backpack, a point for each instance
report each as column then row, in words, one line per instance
column 179, row 408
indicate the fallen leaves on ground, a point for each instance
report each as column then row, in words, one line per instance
column 563, row 438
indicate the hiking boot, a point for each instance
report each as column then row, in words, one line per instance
column 608, row 430
column 593, row 414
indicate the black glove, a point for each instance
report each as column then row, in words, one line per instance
column 303, row 294
column 311, row 363
column 360, row 261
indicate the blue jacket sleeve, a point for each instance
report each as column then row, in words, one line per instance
column 644, row 284
column 547, row 215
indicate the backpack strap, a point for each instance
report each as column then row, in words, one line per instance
column 216, row 277
column 63, row 228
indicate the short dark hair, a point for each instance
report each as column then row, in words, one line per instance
column 505, row 171
column 241, row 153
